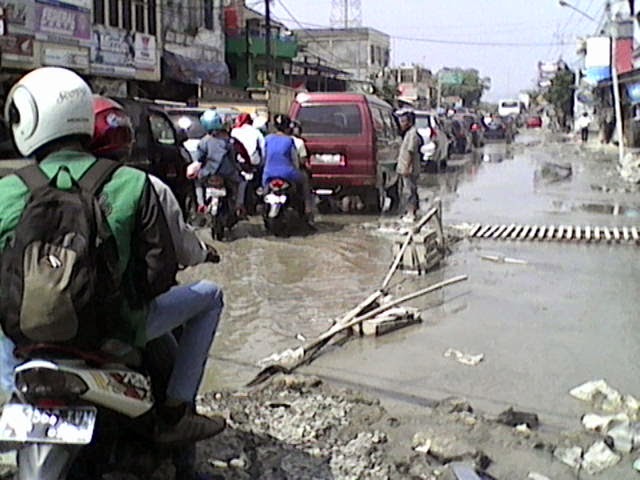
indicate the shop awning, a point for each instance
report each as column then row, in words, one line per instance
column 194, row 72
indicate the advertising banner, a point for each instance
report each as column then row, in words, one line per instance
column 60, row 23
column 65, row 56
column 112, row 52
column 19, row 16
column 598, row 52
column 146, row 55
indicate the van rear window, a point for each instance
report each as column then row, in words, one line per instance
column 330, row 120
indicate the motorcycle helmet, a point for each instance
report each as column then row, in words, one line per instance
column 46, row 105
column 113, row 134
column 211, row 121
column 408, row 114
column 282, row 123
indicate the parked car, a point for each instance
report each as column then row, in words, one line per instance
column 498, row 128
column 534, row 121
column 459, row 134
column 436, row 144
column 353, row 142
column 187, row 121
column 159, row 149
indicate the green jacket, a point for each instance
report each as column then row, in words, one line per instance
column 147, row 260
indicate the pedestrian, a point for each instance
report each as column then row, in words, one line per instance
column 582, row 124
column 408, row 166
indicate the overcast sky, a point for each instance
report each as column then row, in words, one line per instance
column 511, row 68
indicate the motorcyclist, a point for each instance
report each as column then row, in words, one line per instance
column 282, row 161
column 50, row 114
column 250, row 137
column 216, row 156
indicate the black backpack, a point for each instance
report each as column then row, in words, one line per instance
column 58, row 272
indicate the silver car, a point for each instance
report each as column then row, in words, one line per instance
column 435, row 149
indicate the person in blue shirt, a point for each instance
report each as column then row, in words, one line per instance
column 281, row 160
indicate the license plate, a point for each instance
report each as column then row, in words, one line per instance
column 326, row 159
column 216, row 192
column 247, row 176
column 272, row 198
column 26, row 423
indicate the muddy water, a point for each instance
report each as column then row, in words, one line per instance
column 281, row 291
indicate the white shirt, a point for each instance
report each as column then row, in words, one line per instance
column 583, row 122
column 252, row 140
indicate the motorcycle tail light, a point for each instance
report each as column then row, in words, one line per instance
column 475, row 127
column 278, row 184
column 40, row 383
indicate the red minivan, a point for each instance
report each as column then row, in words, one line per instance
column 353, row 142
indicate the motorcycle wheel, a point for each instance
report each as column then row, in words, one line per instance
column 277, row 226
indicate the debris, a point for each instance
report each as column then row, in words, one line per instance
column 636, row 465
column 598, row 391
column 571, row 456
column 513, row 418
column 463, row 471
column 464, row 358
column 622, row 436
column 600, row 423
column 536, row 476
column 523, row 428
column 599, row 457
column 285, row 358
column 391, row 320
column 423, row 447
column 503, row 259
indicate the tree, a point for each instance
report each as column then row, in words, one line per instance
column 560, row 95
column 470, row 87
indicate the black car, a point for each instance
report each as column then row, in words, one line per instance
column 499, row 129
column 159, row 149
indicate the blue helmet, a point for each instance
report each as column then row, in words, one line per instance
column 211, row 121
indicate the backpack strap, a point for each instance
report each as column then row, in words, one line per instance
column 98, row 174
column 32, row 177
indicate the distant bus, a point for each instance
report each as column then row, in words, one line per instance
column 509, row 107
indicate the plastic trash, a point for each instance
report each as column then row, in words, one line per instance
column 601, row 423
column 622, row 437
column 636, row 465
column 464, row 358
column 599, row 457
column 598, row 391
column 536, row 476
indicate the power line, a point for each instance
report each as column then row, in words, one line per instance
column 479, row 44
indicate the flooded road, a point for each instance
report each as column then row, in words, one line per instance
column 568, row 316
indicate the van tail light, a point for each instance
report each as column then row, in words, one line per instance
column 278, row 184
column 475, row 127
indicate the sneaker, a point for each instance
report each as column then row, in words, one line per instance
column 190, row 428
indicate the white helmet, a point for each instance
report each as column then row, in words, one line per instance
column 48, row 104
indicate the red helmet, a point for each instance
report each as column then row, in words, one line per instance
column 113, row 134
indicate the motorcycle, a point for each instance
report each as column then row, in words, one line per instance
column 283, row 207
column 73, row 414
column 219, row 207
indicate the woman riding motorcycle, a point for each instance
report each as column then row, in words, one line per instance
column 282, row 160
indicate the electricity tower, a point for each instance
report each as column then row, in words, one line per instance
column 346, row 13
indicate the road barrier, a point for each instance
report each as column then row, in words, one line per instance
column 557, row 233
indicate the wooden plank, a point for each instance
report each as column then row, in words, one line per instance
column 625, row 234
column 482, row 231
column 499, row 231
column 607, row 234
column 551, row 231
column 490, row 231
column 524, row 232
column 532, row 233
column 587, row 233
column 634, row 234
column 616, row 234
column 578, row 233
column 596, row 234
column 475, row 229
column 509, row 229
column 541, row 232
column 516, row 231
column 569, row 234
column 560, row 233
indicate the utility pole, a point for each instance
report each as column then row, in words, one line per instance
column 267, row 15
column 346, row 13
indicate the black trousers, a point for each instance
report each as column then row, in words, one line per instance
column 584, row 134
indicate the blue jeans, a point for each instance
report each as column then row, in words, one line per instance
column 197, row 308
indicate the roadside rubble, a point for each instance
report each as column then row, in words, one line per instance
column 616, row 423
column 464, row 358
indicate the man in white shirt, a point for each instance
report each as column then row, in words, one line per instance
column 250, row 137
column 582, row 124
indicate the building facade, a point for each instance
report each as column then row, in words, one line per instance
column 361, row 52
column 122, row 47
column 415, row 84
